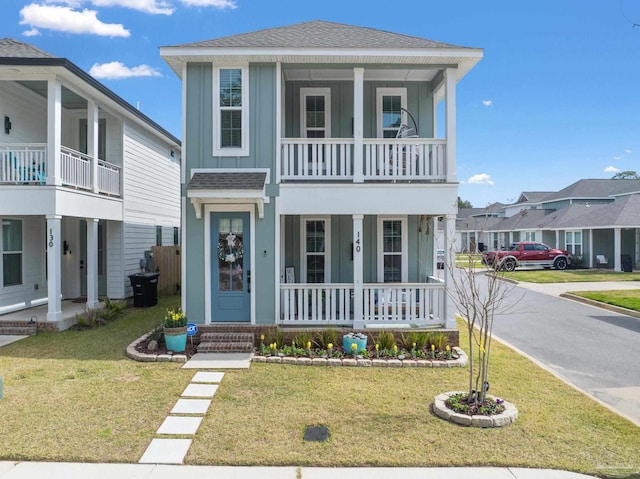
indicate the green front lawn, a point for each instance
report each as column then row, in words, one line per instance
column 73, row 396
column 629, row 299
column 569, row 276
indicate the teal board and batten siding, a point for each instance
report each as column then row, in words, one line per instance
column 419, row 103
column 199, row 154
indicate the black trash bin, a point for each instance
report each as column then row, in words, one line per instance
column 481, row 247
column 145, row 289
column 625, row 259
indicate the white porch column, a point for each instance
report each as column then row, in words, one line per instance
column 54, row 267
column 54, row 131
column 279, row 117
column 358, row 124
column 92, row 141
column 92, row 263
column 617, row 249
column 449, row 264
column 451, row 77
column 358, row 273
column 591, row 249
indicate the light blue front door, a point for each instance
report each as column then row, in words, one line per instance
column 230, row 268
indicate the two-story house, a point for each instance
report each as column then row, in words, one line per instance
column 315, row 176
column 88, row 183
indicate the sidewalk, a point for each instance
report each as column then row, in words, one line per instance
column 49, row 470
column 557, row 289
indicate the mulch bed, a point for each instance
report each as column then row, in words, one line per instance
column 143, row 347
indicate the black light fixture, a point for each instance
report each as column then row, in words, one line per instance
column 7, row 125
column 65, row 247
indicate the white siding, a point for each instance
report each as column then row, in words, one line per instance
column 27, row 112
column 151, row 192
column 33, row 268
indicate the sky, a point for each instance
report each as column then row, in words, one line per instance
column 555, row 99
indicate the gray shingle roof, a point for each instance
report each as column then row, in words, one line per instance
column 595, row 188
column 228, row 181
column 320, row 34
column 623, row 212
column 10, row 48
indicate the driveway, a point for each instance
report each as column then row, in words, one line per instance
column 589, row 347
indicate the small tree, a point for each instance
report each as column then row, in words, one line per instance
column 479, row 293
column 626, row 175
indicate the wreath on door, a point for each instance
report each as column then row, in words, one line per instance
column 230, row 249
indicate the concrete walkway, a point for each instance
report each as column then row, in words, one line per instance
column 29, row 470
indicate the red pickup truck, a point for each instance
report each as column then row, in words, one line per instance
column 527, row 253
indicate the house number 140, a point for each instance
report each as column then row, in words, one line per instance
column 358, row 247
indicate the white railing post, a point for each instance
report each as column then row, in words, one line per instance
column 451, row 77
column 358, row 273
column 358, row 123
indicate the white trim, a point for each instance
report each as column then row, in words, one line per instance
column 382, row 92
column 183, row 149
column 218, row 150
column 183, row 254
column 326, row 93
column 229, row 208
column 358, row 124
column 278, row 256
column 327, row 247
column 3, row 252
column 279, row 117
column 405, row 247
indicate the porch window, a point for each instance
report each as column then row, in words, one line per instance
column 158, row 235
column 231, row 111
column 315, row 250
column 529, row 236
column 392, row 250
column 389, row 105
column 315, row 121
column 176, row 236
column 573, row 242
column 11, row 252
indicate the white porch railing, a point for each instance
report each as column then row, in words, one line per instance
column 108, row 178
column 316, row 304
column 404, row 303
column 383, row 304
column 26, row 164
column 405, row 159
column 75, row 168
column 316, row 158
column 383, row 159
column 23, row 163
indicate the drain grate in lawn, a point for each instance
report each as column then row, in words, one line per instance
column 316, row 433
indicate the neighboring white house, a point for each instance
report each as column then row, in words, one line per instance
column 314, row 178
column 87, row 184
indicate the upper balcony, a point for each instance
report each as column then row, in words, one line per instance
column 26, row 164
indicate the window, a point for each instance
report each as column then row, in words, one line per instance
column 389, row 105
column 176, row 236
column 315, row 112
column 158, row 235
column 315, row 250
column 392, row 250
column 11, row 252
column 573, row 242
column 231, row 111
column 529, row 236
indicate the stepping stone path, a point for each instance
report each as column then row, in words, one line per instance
column 184, row 420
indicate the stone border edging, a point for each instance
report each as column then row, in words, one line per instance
column 381, row 363
column 505, row 418
column 462, row 360
column 598, row 304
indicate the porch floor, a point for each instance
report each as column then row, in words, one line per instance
column 69, row 310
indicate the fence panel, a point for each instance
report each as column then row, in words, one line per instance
column 166, row 261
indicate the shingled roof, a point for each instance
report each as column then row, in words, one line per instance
column 595, row 188
column 10, row 48
column 320, row 34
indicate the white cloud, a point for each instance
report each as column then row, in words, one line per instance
column 65, row 19
column 34, row 32
column 155, row 7
column 628, row 152
column 611, row 169
column 481, row 179
column 117, row 71
column 487, row 103
column 617, row 158
column 221, row 4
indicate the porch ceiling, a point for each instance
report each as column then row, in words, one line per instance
column 346, row 74
column 70, row 99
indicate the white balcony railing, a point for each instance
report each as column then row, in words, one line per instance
column 23, row 163
column 383, row 159
column 26, row 164
column 383, row 304
column 316, row 158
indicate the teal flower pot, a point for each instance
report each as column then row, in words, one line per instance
column 347, row 341
column 176, row 339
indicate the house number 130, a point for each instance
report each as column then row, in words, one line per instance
column 50, row 238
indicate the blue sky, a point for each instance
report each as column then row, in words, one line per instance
column 556, row 97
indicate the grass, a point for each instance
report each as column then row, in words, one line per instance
column 629, row 299
column 569, row 276
column 73, row 396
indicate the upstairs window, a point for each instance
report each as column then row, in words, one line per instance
column 389, row 105
column 231, row 111
column 315, row 112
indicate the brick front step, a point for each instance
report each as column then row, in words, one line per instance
column 226, row 337
column 225, row 347
column 18, row 330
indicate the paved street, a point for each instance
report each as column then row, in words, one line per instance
column 596, row 350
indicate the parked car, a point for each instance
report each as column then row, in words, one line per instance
column 527, row 253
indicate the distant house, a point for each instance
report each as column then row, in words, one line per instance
column 596, row 219
column 87, row 184
column 314, row 177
